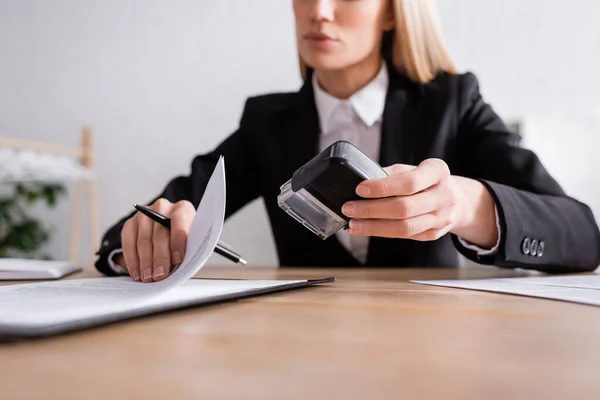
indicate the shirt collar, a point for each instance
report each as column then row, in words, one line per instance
column 368, row 102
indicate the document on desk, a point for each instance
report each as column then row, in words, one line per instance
column 584, row 289
column 19, row 269
column 46, row 308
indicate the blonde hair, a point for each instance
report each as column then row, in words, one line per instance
column 418, row 49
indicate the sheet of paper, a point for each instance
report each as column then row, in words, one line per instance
column 202, row 237
column 21, row 264
column 89, row 295
column 23, row 269
column 583, row 289
column 56, row 304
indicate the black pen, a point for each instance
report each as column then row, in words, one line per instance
column 221, row 248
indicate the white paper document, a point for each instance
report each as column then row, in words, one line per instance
column 17, row 269
column 50, row 307
column 86, row 300
column 584, row 289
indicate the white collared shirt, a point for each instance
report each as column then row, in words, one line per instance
column 358, row 120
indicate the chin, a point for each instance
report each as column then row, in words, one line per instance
column 325, row 63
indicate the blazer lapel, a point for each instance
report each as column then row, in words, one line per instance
column 398, row 137
column 302, row 130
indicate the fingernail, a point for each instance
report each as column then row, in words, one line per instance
column 363, row 190
column 177, row 258
column 135, row 275
column 159, row 272
column 348, row 209
column 147, row 274
column 355, row 226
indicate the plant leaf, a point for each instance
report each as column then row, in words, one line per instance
column 32, row 196
column 27, row 236
column 51, row 193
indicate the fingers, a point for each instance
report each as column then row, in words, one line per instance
column 412, row 202
column 392, row 228
column 431, row 234
column 407, row 182
column 161, row 241
column 181, row 221
column 145, row 246
column 420, row 227
column 394, row 207
column 153, row 244
column 435, row 199
column 129, row 245
column 398, row 169
column 150, row 250
column 161, row 248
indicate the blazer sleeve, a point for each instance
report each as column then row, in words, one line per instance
column 541, row 227
column 242, row 183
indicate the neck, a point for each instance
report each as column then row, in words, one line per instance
column 343, row 83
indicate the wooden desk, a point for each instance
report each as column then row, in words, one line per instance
column 370, row 335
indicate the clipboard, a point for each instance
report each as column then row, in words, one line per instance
column 196, row 292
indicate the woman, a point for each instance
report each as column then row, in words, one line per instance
column 377, row 73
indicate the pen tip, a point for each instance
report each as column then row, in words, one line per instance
column 243, row 262
column 135, row 205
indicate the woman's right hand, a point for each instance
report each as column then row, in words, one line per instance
column 150, row 250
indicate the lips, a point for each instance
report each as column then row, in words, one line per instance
column 319, row 37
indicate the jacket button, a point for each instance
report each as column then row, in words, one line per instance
column 533, row 248
column 526, row 246
column 541, row 248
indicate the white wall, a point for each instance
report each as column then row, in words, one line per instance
column 538, row 60
column 161, row 81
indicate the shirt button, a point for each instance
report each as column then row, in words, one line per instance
column 526, row 246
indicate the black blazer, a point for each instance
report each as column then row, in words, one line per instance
column 446, row 118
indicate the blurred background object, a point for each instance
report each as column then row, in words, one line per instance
column 163, row 81
column 33, row 172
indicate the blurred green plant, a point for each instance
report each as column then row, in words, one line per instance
column 21, row 235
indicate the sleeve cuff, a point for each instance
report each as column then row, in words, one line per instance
column 481, row 251
column 114, row 266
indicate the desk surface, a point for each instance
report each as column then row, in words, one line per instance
column 371, row 334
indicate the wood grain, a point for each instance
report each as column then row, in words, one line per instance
column 370, row 335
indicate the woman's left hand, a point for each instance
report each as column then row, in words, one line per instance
column 423, row 203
